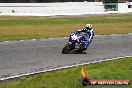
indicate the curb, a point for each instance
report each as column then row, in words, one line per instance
column 59, row 68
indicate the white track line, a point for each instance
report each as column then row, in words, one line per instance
column 59, row 68
column 21, row 40
column 34, row 39
column 50, row 38
column 64, row 37
column 7, row 41
column 130, row 33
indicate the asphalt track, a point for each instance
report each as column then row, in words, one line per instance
column 22, row 57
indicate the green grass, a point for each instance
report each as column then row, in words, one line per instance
column 17, row 28
column 16, row 21
column 69, row 78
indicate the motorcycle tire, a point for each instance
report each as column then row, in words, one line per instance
column 68, row 47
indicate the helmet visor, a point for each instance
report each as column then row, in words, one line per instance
column 88, row 28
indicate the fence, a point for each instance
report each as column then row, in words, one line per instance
column 50, row 9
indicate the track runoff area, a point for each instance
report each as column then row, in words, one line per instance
column 20, row 58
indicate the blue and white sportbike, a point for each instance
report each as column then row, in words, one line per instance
column 77, row 42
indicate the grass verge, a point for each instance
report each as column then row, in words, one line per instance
column 69, row 78
column 18, row 28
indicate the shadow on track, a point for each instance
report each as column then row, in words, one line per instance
column 76, row 52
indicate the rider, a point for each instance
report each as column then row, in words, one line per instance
column 88, row 30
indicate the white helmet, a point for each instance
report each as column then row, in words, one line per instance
column 88, row 26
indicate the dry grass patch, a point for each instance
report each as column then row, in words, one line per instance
column 16, row 28
column 53, row 30
column 38, row 29
column 117, row 28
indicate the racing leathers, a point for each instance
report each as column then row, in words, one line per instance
column 88, row 36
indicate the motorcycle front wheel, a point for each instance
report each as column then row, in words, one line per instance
column 68, row 47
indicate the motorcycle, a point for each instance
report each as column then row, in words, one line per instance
column 76, row 43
